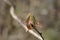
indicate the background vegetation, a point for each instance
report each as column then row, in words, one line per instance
column 47, row 12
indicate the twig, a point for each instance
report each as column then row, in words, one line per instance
column 22, row 23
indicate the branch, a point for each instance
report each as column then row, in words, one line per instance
column 21, row 23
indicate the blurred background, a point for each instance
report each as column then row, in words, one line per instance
column 47, row 12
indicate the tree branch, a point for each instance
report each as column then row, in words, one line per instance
column 22, row 23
